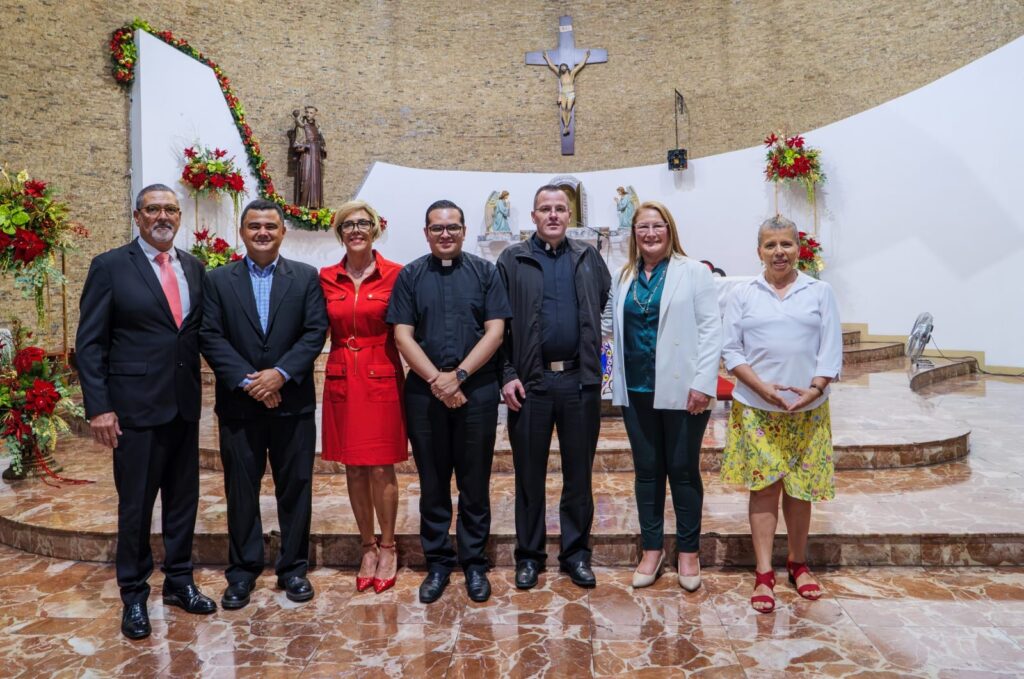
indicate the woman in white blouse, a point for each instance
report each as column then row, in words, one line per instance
column 668, row 337
column 783, row 342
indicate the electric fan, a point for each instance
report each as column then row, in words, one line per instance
column 918, row 340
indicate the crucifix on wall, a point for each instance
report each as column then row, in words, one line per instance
column 567, row 61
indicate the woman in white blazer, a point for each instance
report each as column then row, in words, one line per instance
column 667, row 330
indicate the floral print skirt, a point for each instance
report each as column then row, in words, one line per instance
column 764, row 446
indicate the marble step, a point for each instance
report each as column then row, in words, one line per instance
column 941, row 515
column 877, row 423
column 862, row 352
column 851, row 337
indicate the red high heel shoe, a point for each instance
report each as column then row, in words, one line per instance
column 810, row 591
column 768, row 580
column 383, row 585
column 363, row 584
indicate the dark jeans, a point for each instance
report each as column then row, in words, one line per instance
column 245, row 445
column 666, row 443
column 559, row 401
column 149, row 460
column 460, row 440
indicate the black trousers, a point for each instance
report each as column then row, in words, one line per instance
column 460, row 440
column 245, row 445
column 148, row 460
column 666, row 444
column 559, row 401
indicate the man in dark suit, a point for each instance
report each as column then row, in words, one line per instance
column 264, row 323
column 138, row 362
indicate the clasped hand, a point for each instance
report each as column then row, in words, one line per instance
column 265, row 387
column 446, row 388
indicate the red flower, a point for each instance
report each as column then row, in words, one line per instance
column 270, row 187
column 236, row 183
column 796, row 142
column 27, row 246
column 313, row 215
column 219, row 245
column 801, row 165
column 202, row 234
column 28, row 357
column 17, row 427
column 219, row 153
column 190, row 152
column 35, row 188
column 218, row 181
column 383, row 223
column 41, row 397
column 770, row 139
column 235, row 256
column 806, row 253
column 5, row 241
column 197, row 180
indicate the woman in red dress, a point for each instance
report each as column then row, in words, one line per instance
column 363, row 422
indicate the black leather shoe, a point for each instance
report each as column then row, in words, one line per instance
column 135, row 621
column 433, row 586
column 297, row 588
column 189, row 599
column 580, row 574
column 237, row 595
column 526, row 574
column 478, row 586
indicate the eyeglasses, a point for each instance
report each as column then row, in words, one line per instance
column 647, row 228
column 154, row 210
column 438, row 229
column 362, row 225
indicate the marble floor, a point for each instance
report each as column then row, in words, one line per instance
column 61, row 619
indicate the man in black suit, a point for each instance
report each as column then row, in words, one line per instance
column 264, row 323
column 138, row 362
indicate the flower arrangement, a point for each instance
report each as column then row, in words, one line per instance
column 34, row 226
column 789, row 159
column 35, row 399
column 208, row 172
column 213, row 251
column 124, row 55
column 810, row 261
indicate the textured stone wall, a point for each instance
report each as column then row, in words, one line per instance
column 439, row 83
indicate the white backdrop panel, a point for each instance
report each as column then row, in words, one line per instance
column 923, row 208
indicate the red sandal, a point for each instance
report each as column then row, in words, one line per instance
column 810, row 591
column 363, row 584
column 768, row 580
column 379, row 584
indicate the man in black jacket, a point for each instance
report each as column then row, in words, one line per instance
column 264, row 324
column 552, row 377
column 138, row 362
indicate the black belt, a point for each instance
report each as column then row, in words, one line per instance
column 561, row 366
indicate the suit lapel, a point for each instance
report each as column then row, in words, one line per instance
column 192, row 278
column 145, row 270
column 242, row 285
column 283, row 277
column 673, row 280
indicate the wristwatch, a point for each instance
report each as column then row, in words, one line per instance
column 461, row 375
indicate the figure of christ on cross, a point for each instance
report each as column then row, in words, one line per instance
column 570, row 60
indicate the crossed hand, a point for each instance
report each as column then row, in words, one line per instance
column 445, row 387
column 265, row 387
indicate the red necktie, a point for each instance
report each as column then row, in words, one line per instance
column 169, row 282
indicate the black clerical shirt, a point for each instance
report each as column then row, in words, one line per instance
column 448, row 305
column 559, row 312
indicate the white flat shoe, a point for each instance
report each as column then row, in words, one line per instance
column 645, row 580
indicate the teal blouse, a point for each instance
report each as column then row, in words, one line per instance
column 640, row 329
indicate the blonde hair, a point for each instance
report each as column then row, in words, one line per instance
column 355, row 206
column 634, row 258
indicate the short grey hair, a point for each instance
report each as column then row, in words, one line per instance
column 777, row 223
column 150, row 189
